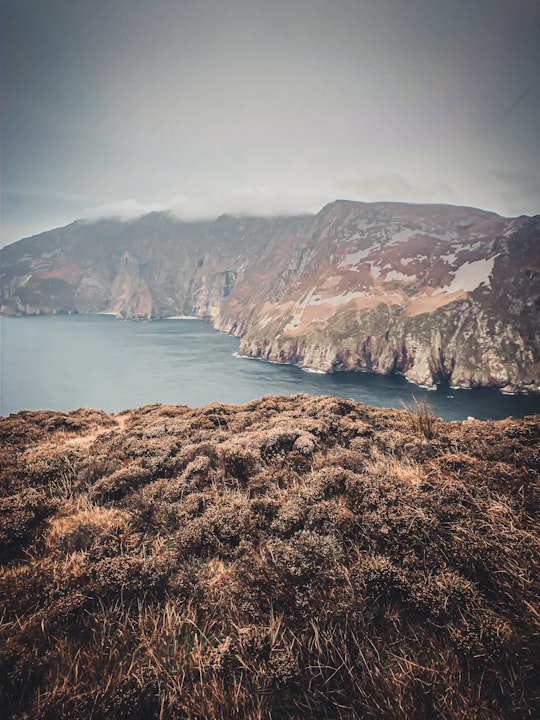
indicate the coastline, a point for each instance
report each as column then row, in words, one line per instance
column 503, row 390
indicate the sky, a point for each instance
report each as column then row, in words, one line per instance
column 120, row 107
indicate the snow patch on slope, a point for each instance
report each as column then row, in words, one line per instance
column 346, row 297
column 395, row 275
column 354, row 258
column 470, row 276
column 401, row 236
column 450, row 258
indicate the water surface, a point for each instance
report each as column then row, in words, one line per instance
column 64, row 362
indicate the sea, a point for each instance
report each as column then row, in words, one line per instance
column 64, row 362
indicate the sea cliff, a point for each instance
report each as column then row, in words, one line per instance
column 435, row 292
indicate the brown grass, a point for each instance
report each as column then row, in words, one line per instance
column 422, row 418
column 291, row 558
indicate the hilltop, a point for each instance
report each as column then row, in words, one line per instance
column 293, row 557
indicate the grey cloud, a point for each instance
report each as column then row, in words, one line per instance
column 257, row 106
column 519, row 189
column 263, row 200
column 393, row 186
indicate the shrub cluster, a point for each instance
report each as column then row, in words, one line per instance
column 290, row 558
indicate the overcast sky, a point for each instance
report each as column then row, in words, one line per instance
column 265, row 106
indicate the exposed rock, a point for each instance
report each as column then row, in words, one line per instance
column 431, row 291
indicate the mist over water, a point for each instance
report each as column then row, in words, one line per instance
column 66, row 362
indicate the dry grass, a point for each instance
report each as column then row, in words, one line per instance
column 290, row 558
column 423, row 420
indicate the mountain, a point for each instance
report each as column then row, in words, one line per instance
column 436, row 292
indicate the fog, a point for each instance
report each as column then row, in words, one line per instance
column 265, row 107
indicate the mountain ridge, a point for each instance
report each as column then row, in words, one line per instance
column 435, row 292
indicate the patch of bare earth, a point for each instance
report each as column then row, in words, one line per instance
column 430, row 303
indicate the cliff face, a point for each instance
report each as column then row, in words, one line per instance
column 434, row 292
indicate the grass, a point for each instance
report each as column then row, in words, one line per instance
column 290, row 558
column 423, row 420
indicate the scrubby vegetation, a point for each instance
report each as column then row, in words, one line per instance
column 291, row 558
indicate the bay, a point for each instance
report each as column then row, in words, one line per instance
column 64, row 362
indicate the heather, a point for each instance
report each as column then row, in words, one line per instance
column 293, row 557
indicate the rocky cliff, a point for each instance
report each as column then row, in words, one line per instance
column 431, row 291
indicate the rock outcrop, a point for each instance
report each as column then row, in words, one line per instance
column 433, row 292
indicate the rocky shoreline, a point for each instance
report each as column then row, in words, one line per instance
column 421, row 382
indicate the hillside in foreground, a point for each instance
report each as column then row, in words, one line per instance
column 290, row 558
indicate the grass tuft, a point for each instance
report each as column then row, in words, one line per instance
column 423, row 420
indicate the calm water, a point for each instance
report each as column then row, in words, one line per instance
column 66, row 362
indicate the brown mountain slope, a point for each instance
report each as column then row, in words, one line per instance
column 432, row 291
column 291, row 558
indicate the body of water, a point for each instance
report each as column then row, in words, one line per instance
column 65, row 362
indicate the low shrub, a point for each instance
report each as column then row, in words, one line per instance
column 290, row 558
